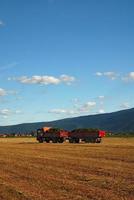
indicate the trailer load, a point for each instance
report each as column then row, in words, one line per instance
column 47, row 134
column 86, row 135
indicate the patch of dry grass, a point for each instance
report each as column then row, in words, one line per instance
column 33, row 171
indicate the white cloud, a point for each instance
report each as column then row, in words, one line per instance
column 8, row 112
column 109, row 74
column 5, row 112
column 131, row 75
column 98, row 73
column 2, row 23
column 78, row 109
column 101, row 111
column 67, row 79
column 87, row 106
column 3, row 92
column 39, row 80
column 18, row 112
column 45, row 80
column 57, row 111
column 101, row 97
column 128, row 77
column 62, row 111
column 125, row 105
column 113, row 75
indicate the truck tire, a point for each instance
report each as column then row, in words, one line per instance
column 47, row 140
column 60, row 140
column 77, row 140
column 71, row 140
column 98, row 140
column 40, row 141
column 54, row 140
column 93, row 140
column 87, row 140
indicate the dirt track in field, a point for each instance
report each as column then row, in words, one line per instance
column 33, row 171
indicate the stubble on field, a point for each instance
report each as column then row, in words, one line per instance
column 33, row 171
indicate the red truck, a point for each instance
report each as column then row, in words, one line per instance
column 47, row 134
column 86, row 135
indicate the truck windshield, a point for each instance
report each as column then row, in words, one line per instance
column 39, row 132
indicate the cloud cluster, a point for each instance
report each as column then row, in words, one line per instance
column 113, row 75
column 4, row 92
column 85, row 108
column 63, row 111
column 45, row 80
column 8, row 112
column 5, row 112
column 89, row 107
column 110, row 75
column 128, row 77
column 66, row 79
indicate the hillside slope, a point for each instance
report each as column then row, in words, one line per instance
column 120, row 121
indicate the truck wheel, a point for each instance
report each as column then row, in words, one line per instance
column 40, row 141
column 60, row 140
column 54, row 140
column 71, row 140
column 77, row 140
column 93, row 140
column 98, row 140
column 87, row 140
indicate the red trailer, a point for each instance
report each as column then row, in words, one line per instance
column 47, row 134
column 86, row 135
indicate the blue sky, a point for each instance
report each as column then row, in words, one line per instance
column 65, row 58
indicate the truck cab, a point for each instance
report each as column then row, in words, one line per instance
column 40, row 135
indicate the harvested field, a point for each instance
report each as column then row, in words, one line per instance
column 33, row 171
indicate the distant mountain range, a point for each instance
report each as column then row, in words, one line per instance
column 120, row 121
